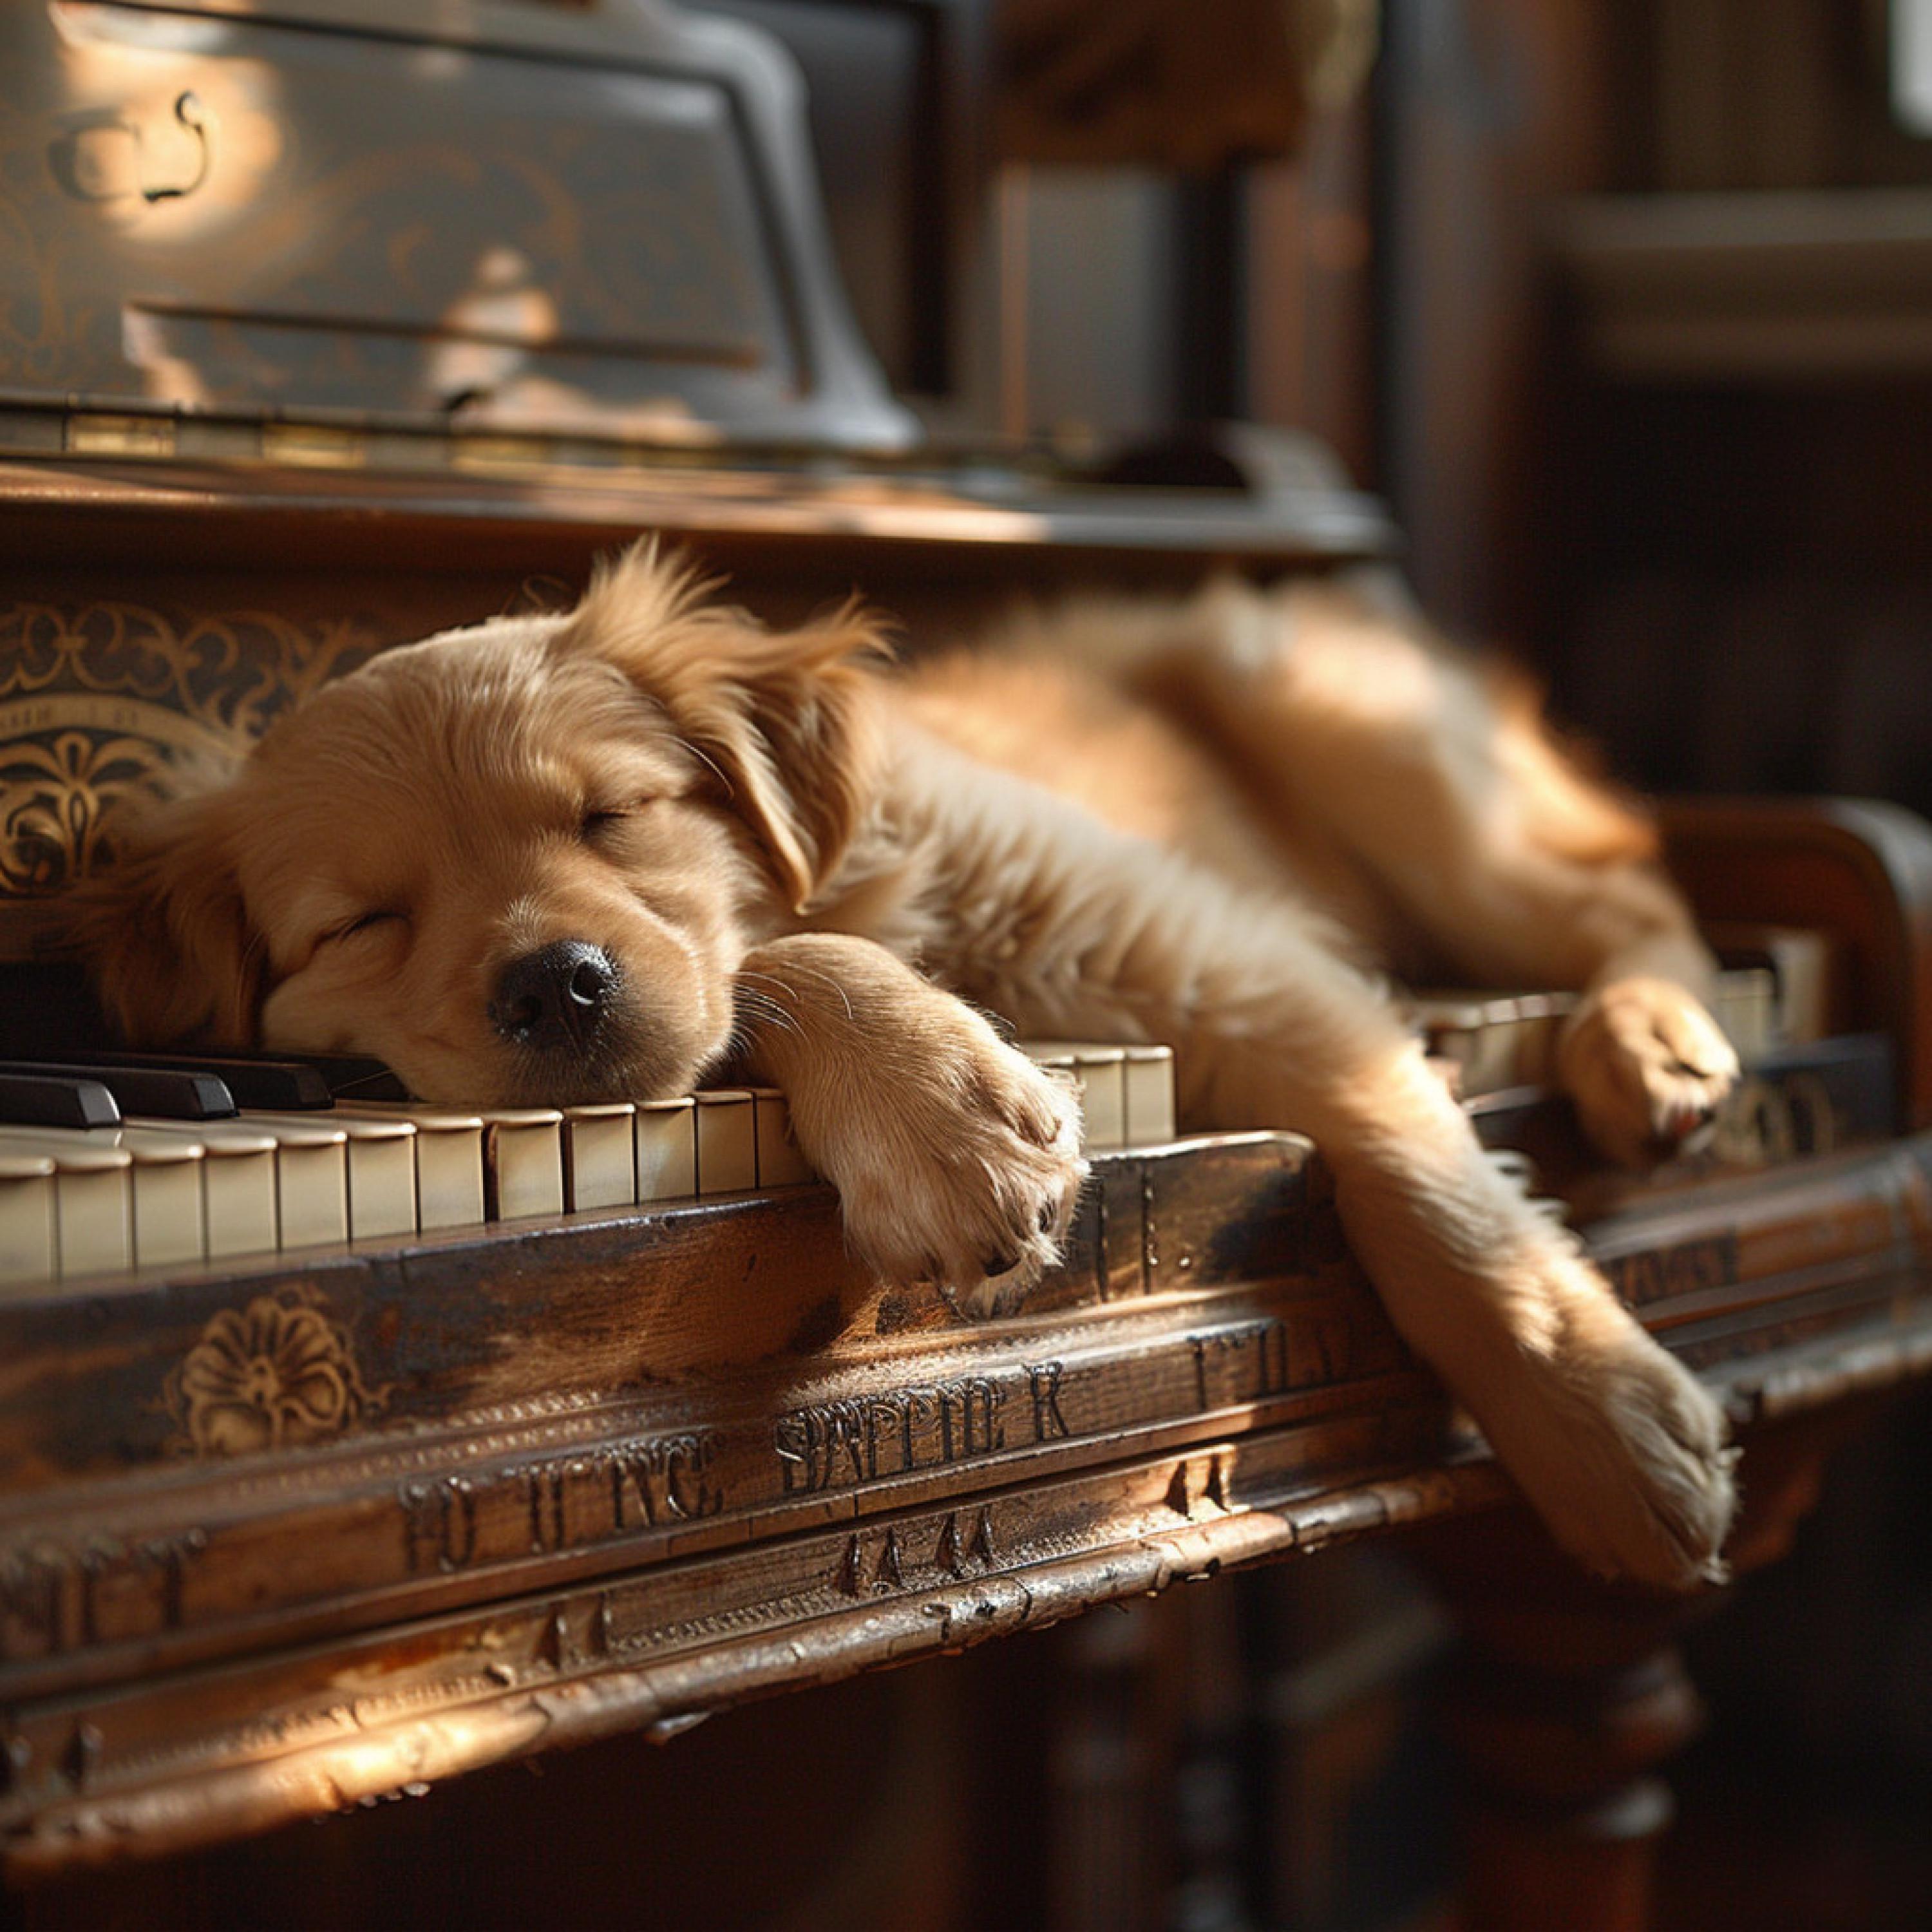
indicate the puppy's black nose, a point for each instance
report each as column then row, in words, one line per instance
column 555, row 996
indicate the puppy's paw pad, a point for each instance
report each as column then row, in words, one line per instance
column 1647, row 1067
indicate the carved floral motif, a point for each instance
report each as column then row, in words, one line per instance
column 277, row 1373
column 102, row 702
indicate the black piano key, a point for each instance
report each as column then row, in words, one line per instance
column 354, row 1077
column 161, row 1090
column 46, row 1100
column 284, row 1086
column 348, row 1076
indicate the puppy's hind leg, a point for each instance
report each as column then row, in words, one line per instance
column 1619, row 1448
column 1436, row 771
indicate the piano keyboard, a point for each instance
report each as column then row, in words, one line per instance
column 152, row 1193
column 1497, row 1041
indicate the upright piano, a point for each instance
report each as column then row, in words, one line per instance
column 325, row 326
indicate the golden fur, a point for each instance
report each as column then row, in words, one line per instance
column 1202, row 822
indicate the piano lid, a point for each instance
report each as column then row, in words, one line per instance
column 472, row 214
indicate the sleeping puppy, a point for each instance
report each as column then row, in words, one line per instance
column 611, row 852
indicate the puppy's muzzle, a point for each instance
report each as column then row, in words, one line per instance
column 555, row 998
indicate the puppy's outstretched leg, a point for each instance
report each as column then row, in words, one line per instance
column 1619, row 1448
column 1438, row 774
column 956, row 1160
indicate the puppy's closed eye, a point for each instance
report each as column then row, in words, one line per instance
column 602, row 818
column 367, row 921
column 599, row 820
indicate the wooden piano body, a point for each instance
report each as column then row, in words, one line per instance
column 282, row 1535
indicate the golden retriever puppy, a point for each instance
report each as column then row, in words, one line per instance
column 613, row 851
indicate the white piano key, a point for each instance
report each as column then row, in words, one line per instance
column 382, row 1178
column 29, row 1234
column 449, row 1158
column 164, row 1187
column 310, row 1169
column 381, row 1156
column 94, row 1202
column 239, row 1211
column 169, row 1219
column 728, row 1141
column 1147, row 1080
column 1127, row 1092
column 311, row 1181
column 1101, row 1074
column 666, row 1149
column 522, row 1161
column 1743, row 1003
column 1056, row 1053
column 600, row 1155
column 1486, row 1035
column 780, row 1163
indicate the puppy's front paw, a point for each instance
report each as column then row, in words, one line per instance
column 1647, row 1067
column 968, row 1179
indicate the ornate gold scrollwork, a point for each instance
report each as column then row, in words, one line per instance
column 100, row 702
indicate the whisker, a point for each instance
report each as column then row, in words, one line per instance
column 376, row 1079
column 752, row 1004
column 826, row 979
column 704, row 757
column 789, row 992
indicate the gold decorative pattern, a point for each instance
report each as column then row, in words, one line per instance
column 277, row 1374
column 101, row 701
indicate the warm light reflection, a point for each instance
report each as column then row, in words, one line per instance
column 159, row 139
column 491, row 327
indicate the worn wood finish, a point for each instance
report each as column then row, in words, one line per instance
column 275, row 1541
column 425, row 1507
column 278, row 1538
column 1858, row 868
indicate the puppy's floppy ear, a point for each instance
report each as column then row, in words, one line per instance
column 789, row 718
column 162, row 932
